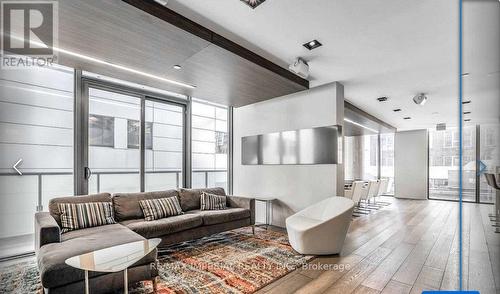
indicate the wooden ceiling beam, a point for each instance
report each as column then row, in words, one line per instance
column 155, row 9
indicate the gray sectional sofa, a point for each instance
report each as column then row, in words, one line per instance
column 53, row 248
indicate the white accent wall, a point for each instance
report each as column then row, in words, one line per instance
column 294, row 186
column 411, row 164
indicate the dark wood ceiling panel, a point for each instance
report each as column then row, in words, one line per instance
column 225, row 77
column 112, row 31
column 117, row 32
column 172, row 17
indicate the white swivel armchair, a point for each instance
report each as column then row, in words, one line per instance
column 321, row 229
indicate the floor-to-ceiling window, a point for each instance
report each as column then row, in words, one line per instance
column 352, row 158
column 368, row 148
column 134, row 140
column 164, row 145
column 490, row 159
column 36, row 130
column 113, row 141
column 369, row 163
column 209, row 145
column 135, row 137
column 362, row 158
column 444, row 164
column 387, row 160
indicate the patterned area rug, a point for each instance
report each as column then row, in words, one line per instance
column 232, row 262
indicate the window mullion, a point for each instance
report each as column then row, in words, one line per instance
column 478, row 158
column 142, row 145
column 187, row 149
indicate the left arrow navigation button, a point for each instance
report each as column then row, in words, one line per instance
column 16, row 165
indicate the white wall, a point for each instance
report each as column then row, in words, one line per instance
column 295, row 186
column 411, row 164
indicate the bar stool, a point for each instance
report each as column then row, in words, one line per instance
column 359, row 192
column 494, row 217
column 372, row 193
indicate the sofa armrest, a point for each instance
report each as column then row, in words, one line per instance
column 46, row 230
column 243, row 202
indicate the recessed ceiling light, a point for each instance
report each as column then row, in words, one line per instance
column 382, row 99
column 465, row 74
column 466, row 112
column 407, row 117
column 177, row 66
column 397, row 110
column 466, row 102
column 467, row 119
column 312, row 44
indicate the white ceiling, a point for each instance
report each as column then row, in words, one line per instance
column 376, row 48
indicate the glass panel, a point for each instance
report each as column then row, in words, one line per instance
column 370, row 157
column 468, row 163
column 134, row 134
column 490, row 157
column 114, row 156
column 101, row 130
column 387, row 160
column 164, row 160
column 36, row 125
column 361, row 157
column 444, row 164
column 209, row 145
column 352, row 158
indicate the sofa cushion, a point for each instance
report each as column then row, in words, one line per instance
column 212, row 202
column 51, row 258
column 164, row 226
column 212, row 217
column 76, row 216
column 54, row 203
column 160, row 208
column 190, row 198
column 126, row 205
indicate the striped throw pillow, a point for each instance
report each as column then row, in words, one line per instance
column 75, row 216
column 160, row 208
column 212, row 202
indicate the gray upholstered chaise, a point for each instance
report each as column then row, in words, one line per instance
column 53, row 248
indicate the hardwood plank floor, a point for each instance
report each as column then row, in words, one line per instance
column 480, row 269
column 407, row 247
column 365, row 290
column 353, row 278
column 383, row 274
column 394, row 287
